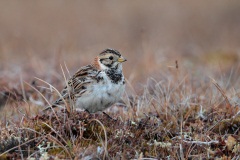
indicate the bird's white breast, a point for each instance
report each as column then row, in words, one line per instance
column 101, row 95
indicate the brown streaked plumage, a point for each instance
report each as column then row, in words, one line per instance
column 97, row 86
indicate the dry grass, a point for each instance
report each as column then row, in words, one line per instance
column 179, row 116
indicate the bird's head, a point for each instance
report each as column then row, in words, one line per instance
column 110, row 59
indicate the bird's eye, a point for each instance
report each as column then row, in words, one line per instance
column 111, row 57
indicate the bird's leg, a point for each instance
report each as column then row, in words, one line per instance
column 109, row 116
column 87, row 111
column 89, row 114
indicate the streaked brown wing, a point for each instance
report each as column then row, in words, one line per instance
column 77, row 85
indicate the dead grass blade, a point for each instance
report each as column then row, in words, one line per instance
column 18, row 146
column 220, row 90
column 105, row 134
column 68, row 107
column 22, row 87
column 59, row 94
column 62, row 145
column 43, row 98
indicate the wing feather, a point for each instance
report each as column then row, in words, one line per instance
column 78, row 83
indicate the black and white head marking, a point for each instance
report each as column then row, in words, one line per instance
column 109, row 50
column 109, row 59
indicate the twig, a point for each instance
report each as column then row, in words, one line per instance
column 202, row 143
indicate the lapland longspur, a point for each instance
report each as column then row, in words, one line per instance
column 97, row 86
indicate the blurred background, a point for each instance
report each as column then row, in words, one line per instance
column 37, row 36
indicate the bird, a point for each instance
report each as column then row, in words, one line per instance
column 97, row 86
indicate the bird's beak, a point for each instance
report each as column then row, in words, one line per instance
column 121, row 59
